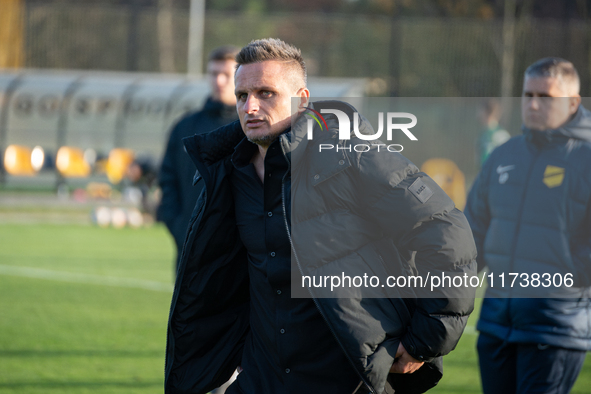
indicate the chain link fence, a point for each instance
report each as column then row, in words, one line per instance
column 418, row 57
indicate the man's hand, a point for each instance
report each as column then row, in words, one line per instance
column 404, row 362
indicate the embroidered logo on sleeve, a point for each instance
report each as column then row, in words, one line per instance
column 420, row 190
column 553, row 176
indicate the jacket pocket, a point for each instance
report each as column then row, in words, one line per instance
column 379, row 363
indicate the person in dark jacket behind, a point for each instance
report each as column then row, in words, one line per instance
column 179, row 193
column 268, row 192
column 530, row 212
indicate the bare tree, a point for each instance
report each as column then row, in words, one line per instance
column 508, row 49
column 166, row 36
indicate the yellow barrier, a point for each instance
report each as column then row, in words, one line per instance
column 17, row 160
column 70, row 162
column 119, row 160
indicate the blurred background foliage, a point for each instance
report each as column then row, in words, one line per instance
column 483, row 9
column 405, row 47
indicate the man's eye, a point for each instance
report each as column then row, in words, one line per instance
column 241, row 96
column 266, row 94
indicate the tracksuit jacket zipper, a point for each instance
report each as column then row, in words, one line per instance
column 521, row 204
column 514, row 246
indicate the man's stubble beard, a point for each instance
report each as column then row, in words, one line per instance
column 265, row 141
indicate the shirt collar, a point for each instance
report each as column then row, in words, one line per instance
column 243, row 152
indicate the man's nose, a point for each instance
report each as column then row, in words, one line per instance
column 534, row 103
column 251, row 104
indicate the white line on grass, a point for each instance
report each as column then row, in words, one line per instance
column 39, row 273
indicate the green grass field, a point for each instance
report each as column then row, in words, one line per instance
column 84, row 310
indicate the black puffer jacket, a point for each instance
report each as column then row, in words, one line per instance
column 393, row 232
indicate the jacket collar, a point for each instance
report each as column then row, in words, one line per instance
column 209, row 148
column 302, row 152
column 579, row 128
column 296, row 142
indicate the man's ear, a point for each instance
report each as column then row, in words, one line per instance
column 304, row 99
column 574, row 103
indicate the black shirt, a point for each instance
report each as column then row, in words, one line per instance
column 289, row 348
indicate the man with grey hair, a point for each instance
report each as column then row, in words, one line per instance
column 267, row 193
column 530, row 213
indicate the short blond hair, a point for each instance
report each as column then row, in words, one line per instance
column 273, row 49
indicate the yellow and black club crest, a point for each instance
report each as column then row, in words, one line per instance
column 553, row 176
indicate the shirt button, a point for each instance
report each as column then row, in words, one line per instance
column 316, row 176
column 272, row 254
column 282, row 331
column 287, row 370
column 341, row 162
column 269, row 214
column 279, row 292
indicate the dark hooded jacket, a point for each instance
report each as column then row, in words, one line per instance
column 331, row 229
column 530, row 211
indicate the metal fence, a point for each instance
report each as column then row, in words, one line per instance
column 404, row 57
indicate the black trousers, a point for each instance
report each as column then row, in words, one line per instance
column 507, row 368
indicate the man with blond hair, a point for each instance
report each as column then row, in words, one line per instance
column 530, row 212
column 274, row 207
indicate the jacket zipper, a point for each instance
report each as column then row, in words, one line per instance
column 370, row 388
column 521, row 204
